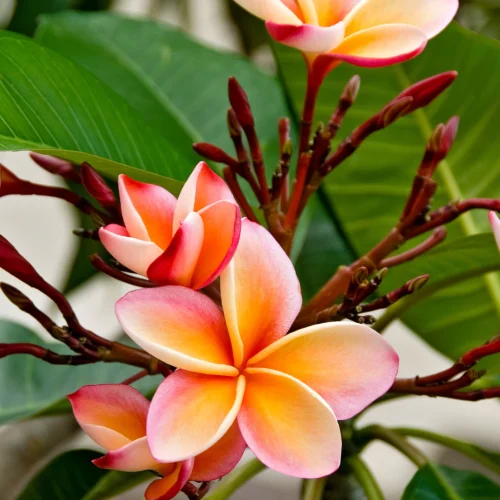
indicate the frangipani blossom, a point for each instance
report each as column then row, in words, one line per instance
column 495, row 224
column 362, row 32
column 186, row 242
column 285, row 392
column 114, row 416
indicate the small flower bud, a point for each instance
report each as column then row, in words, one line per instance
column 352, row 89
column 239, row 102
column 425, row 91
column 449, row 135
column 15, row 296
column 97, row 188
column 213, row 153
column 434, row 144
column 418, row 283
column 232, row 123
column 56, row 166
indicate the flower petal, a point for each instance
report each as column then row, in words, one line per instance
column 495, row 224
column 133, row 457
column 147, row 210
column 348, row 365
column 270, row 10
column 260, row 292
column 191, row 412
column 381, row 45
column 222, row 228
column 430, row 16
column 173, row 481
column 307, row 37
column 136, row 255
column 179, row 326
column 203, row 188
column 330, row 13
column 288, row 426
column 112, row 415
column 177, row 264
column 221, row 458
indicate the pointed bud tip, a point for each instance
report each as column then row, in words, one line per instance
column 395, row 109
column 96, row 186
column 239, row 102
column 351, row 90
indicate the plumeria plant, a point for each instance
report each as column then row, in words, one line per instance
column 226, row 343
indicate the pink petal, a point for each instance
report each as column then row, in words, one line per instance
column 348, row 365
column 221, row 458
column 495, row 224
column 172, row 483
column 133, row 457
column 147, row 210
column 203, row 188
column 201, row 409
column 381, row 45
column 271, row 10
column 180, row 327
column 222, row 228
column 288, row 426
column 260, row 292
column 177, row 264
column 112, row 415
column 136, row 255
column 430, row 16
column 307, row 37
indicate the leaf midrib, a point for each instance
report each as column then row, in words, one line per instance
column 466, row 221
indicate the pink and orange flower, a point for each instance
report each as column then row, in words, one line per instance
column 368, row 33
column 186, row 242
column 114, row 416
column 238, row 367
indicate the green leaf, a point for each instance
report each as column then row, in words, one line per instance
column 51, row 105
column 452, row 296
column 73, row 476
column 436, row 482
column 115, row 483
column 162, row 72
column 369, row 191
column 68, row 477
column 31, row 387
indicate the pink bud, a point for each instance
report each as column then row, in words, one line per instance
column 239, row 102
column 449, row 135
column 425, row 91
column 56, row 166
column 97, row 188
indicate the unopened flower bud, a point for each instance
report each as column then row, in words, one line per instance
column 352, row 89
column 418, row 283
column 425, row 91
column 213, row 153
column 449, row 135
column 56, row 166
column 97, row 188
column 239, row 102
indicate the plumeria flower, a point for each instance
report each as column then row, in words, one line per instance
column 286, row 393
column 114, row 416
column 186, row 242
column 495, row 224
column 362, row 32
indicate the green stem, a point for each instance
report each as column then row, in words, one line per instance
column 314, row 488
column 394, row 439
column 365, row 479
column 474, row 452
column 236, row 480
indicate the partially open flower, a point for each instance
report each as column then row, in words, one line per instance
column 362, row 32
column 495, row 224
column 186, row 242
column 114, row 416
column 285, row 392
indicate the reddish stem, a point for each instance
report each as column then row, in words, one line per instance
column 134, row 378
column 235, row 188
column 298, row 189
column 46, row 355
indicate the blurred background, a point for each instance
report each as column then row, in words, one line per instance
column 42, row 231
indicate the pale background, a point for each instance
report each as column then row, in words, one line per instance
column 41, row 230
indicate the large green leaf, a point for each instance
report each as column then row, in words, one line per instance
column 162, row 72
column 450, row 295
column 434, row 482
column 369, row 191
column 51, row 105
column 73, row 476
column 68, row 477
column 31, row 386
